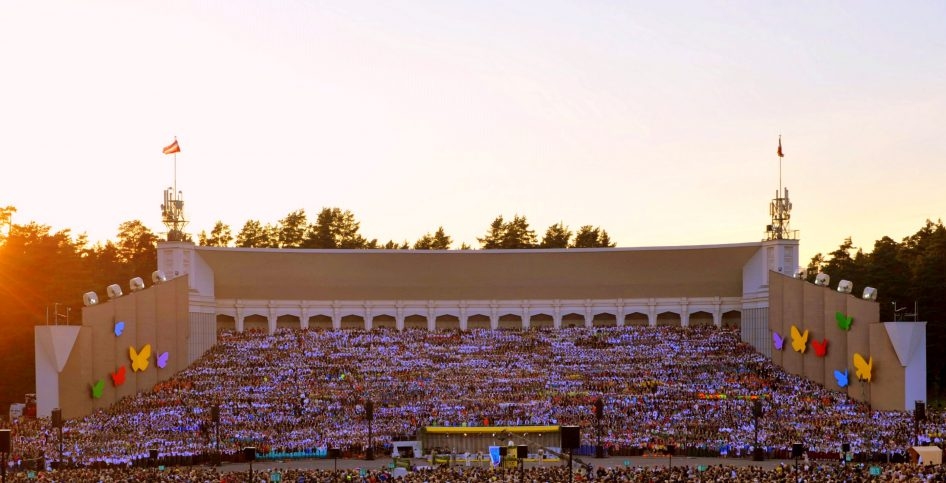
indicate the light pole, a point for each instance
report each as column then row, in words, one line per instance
column 249, row 454
column 369, row 415
column 599, row 415
column 215, row 417
column 5, row 447
column 757, row 454
column 56, row 418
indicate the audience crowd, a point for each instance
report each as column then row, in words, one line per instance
column 304, row 391
column 809, row 473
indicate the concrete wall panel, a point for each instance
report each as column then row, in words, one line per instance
column 815, row 323
column 776, row 320
column 887, row 372
column 157, row 316
column 75, row 381
column 858, row 338
column 826, row 304
column 793, row 314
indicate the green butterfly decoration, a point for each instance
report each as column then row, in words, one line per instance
column 97, row 389
column 844, row 322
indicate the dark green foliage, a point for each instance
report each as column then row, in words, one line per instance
column 556, row 236
column 910, row 274
column 514, row 234
column 220, row 236
column 592, row 237
column 42, row 273
column 438, row 241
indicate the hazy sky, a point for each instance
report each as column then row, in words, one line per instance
column 657, row 121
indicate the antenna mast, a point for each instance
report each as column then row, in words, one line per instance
column 172, row 210
column 780, row 208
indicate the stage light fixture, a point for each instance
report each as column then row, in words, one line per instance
column 823, row 279
column 136, row 284
column 90, row 299
column 114, row 291
column 845, row 286
column 158, row 276
column 870, row 293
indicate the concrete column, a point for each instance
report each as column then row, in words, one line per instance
column 557, row 316
column 464, row 320
column 399, row 319
column 304, row 317
column 684, row 313
column 369, row 321
column 271, row 321
column 493, row 318
column 619, row 314
column 526, row 323
column 239, row 319
column 336, row 320
column 589, row 314
column 652, row 313
column 431, row 318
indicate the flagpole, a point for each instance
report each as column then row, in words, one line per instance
column 175, row 170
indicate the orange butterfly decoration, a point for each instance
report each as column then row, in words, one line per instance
column 139, row 360
column 799, row 339
column 863, row 368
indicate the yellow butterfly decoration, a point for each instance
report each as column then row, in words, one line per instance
column 139, row 360
column 862, row 368
column 799, row 340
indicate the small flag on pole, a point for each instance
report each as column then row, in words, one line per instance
column 174, row 148
column 779, row 147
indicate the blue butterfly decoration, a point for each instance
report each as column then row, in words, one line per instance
column 119, row 328
column 842, row 377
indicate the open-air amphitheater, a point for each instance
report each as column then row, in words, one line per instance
column 678, row 342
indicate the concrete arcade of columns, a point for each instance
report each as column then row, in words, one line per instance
column 493, row 314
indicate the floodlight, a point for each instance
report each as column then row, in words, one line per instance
column 800, row 274
column 158, row 276
column 114, row 291
column 823, row 279
column 845, row 286
column 136, row 284
column 90, row 299
column 870, row 293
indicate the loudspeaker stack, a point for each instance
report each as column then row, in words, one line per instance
column 920, row 411
column 571, row 437
column 797, row 450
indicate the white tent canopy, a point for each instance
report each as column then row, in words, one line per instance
column 926, row 455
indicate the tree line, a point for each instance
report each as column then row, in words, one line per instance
column 337, row 228
column 909, row 275
column 43, row 275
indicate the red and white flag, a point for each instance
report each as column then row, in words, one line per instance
column 175, row 148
